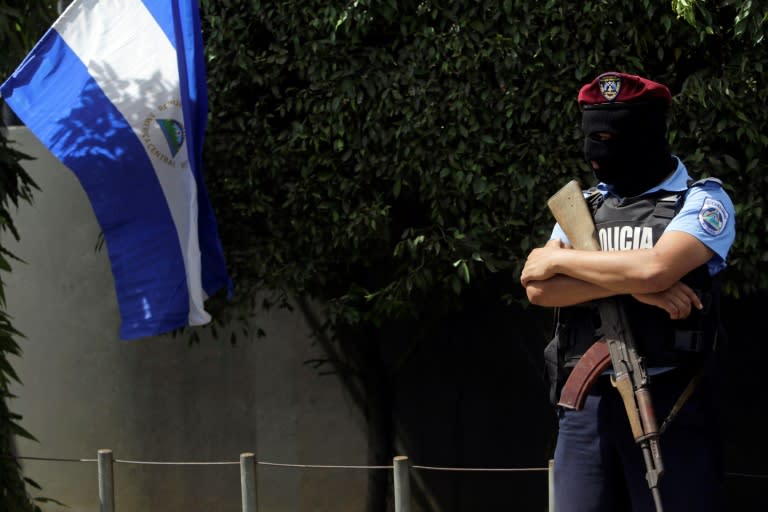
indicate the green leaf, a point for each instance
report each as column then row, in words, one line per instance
column 464, row 271
column 456, row 285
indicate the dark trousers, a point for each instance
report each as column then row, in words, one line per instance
column 599, row 467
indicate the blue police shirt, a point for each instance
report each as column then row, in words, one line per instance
column 707, row 214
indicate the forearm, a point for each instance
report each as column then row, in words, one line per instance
column 561, row 291
column 637, row 271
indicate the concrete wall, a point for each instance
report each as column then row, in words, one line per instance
column 160, row 399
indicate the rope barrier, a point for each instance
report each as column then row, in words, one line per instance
column 48, row 459
column 318, row 466
column 172, row 463
column 439, row 468
column 401, row 468
column 747, row 475
column 315, row 466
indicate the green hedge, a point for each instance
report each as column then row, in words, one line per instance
column 385, row 156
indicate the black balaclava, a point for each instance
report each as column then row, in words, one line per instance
column 636, row 157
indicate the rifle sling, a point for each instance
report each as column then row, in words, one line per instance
column 684, row 396
column 688, row 391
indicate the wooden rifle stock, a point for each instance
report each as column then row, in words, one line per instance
column 571, row 211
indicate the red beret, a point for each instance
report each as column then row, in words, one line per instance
column 613, row 87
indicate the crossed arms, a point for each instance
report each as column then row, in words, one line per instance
column 556, row 275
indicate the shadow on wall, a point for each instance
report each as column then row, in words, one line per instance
column 745, row 443
column 472, row 395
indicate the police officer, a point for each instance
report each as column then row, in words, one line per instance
column 665, row 238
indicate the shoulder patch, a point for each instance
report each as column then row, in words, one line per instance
column 706, row 181
column 713, row 216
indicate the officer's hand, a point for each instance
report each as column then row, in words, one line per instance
column 538, row 266
column 676, row 300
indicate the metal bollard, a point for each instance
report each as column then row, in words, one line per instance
column 402, row 484
column 248, row 481
column 106, row 481
column 551, row 484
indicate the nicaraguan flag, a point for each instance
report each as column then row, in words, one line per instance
column 116, row 91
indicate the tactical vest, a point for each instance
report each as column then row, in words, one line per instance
column 638, row 223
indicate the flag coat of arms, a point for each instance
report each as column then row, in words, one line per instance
column 116, row 90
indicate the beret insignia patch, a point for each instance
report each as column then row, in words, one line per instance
column 713, row 216
column 610, row 85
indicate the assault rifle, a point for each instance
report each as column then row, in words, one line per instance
column 616, row 348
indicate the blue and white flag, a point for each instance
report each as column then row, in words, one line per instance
column 116, row 90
